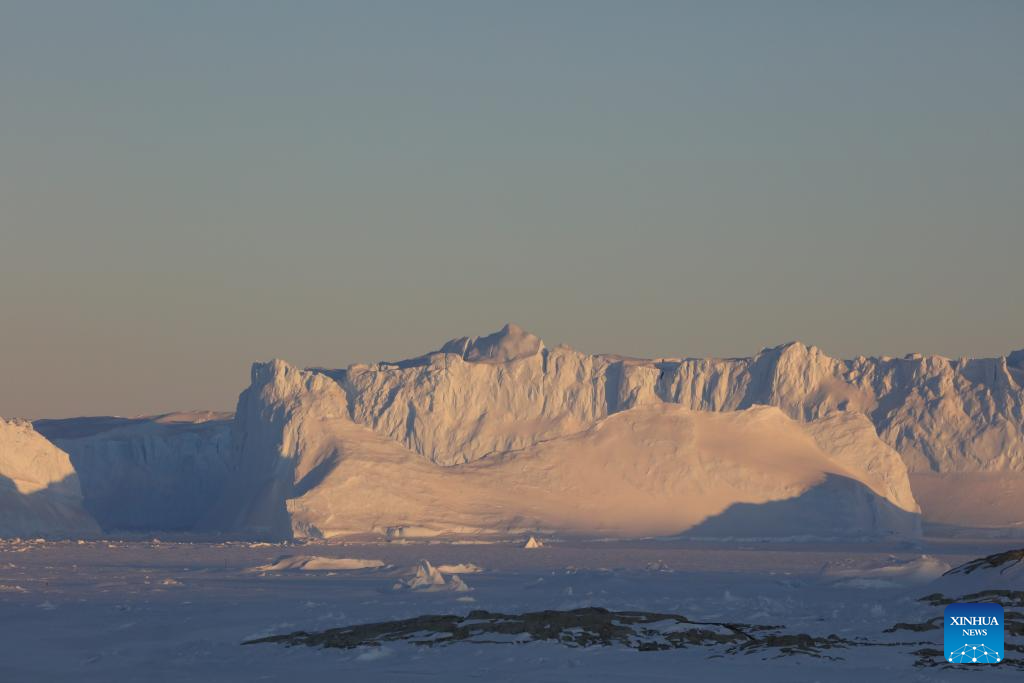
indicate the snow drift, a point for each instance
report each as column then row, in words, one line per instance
column 316, row 563
column 894, row 572
column 39, row 491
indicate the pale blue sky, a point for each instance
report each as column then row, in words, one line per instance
column 186, row 187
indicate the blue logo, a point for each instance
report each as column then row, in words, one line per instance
column 973, row 633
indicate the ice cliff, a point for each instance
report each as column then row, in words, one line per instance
column 492, row 434
column 302, row 466
column 159, row 473
column 39, row 492
column 508, row 390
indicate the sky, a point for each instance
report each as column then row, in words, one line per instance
column 190, row 186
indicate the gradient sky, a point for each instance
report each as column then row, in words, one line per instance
column 186, row 187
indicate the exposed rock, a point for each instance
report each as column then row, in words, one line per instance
column 584, row 627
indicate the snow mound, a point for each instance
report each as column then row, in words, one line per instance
column 39, row 489
column 462, row 568
column 314, row 563
column 427, row 578
column 919, row 570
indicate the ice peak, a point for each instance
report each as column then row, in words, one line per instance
column 509, row 343
column 792, row 349
column 266, row 372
